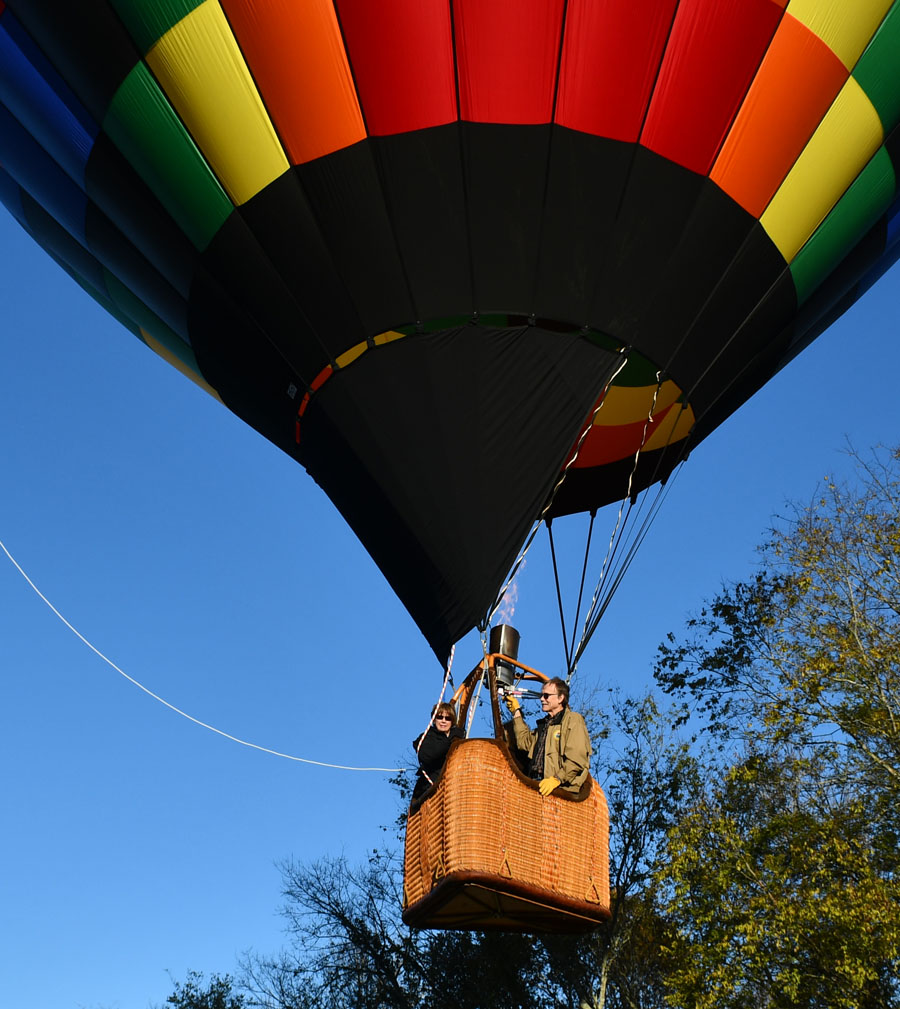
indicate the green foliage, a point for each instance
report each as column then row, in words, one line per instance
column 808, row 652
column 784, row 876
column 777, row 902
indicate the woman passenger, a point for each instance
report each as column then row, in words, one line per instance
column 432, row 746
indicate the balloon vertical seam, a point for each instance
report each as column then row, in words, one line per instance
column 547, row 169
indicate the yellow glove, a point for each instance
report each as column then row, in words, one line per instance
column 547, row 785
column 512, row 702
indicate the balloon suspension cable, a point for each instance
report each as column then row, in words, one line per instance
column 473, row 704
column 542, row 517
column 584, row 567
column 447, row 679
column 614, row 541
column 599, row 603
column 569, row 648
column 171, row 707
column 559, row 600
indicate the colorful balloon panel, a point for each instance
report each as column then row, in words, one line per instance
column 403, row 62
column 609, row 65
column 424, row 245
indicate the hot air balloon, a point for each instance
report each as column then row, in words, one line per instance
column 469, row 262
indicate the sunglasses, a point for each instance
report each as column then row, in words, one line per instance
column 443, row 718
column 549, row 695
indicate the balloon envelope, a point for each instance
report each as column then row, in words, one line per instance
column 413, row 242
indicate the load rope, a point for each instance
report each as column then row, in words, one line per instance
column 172, row 707
column 447, row 679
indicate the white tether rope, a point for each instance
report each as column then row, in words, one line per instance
column 431, row 720
column 178, row 711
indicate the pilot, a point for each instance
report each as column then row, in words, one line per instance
column 558, row 750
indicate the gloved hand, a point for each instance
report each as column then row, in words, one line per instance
column 548, row 784
column 512, row 702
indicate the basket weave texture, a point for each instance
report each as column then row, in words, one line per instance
column 484, row 816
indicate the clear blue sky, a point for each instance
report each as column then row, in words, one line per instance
column 209, row 567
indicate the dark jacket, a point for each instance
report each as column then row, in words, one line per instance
column 432, row 754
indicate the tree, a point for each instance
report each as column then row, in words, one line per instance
column 779, row 900
column 193, row 994
column 784, row 876
column 759, row 872
column 809, row 650
column 648, row 774
column 350, row 948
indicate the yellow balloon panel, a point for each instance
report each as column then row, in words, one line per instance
column 201, row 69
column 845, row 26
column 625, row 405
column 846, row 139
column 677, row 424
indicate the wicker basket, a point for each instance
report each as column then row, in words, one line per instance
column 484, row 850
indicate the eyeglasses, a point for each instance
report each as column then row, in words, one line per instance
column 549, row 695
